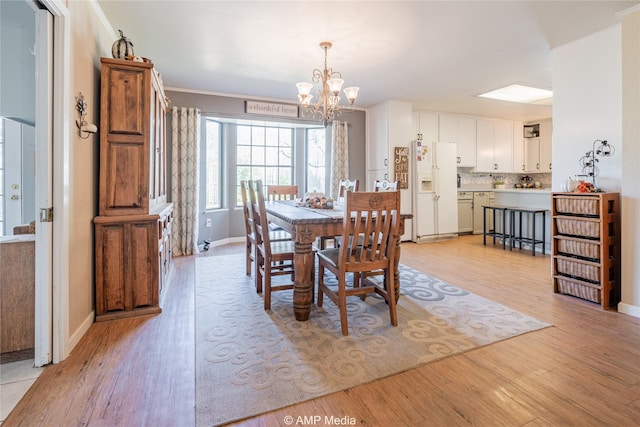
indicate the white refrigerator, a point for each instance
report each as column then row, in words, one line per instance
column 435, row 206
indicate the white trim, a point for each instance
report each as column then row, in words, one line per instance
column 84, row 327
column 44, row 191
column 61, row 176
column 629, row 309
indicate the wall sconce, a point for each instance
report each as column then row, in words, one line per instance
column 84, row 129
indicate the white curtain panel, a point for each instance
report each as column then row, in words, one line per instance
column 185, row 176
column 339, row 155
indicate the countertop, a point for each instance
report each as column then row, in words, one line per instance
column 508, row 190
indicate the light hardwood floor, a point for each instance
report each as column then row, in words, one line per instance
column 585, row 370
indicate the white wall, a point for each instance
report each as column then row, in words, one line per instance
column 630, row 154
column 588, row 105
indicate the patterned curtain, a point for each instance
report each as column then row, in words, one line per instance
column 185, row 176
column 339, row 155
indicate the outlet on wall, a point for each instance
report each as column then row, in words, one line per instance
column 209, row 222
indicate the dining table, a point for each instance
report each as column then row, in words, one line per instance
column 305, row 225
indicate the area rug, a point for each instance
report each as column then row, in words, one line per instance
column 250, row 361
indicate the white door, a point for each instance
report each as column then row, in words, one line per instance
column 43, row 349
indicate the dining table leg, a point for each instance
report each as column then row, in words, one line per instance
column 303, row 284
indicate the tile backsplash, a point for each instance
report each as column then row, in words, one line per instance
column 468, row 179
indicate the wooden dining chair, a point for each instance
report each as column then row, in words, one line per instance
column 282, row 192
column 385, row 185
column 273, row 258
column 347, row 185
column 344, row 186
column 277, row 235
column 375, row 217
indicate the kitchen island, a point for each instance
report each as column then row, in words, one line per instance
column 529, row 198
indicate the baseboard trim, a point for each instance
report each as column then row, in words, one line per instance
column 629, row 309
column 79, row 333
column 436, row 238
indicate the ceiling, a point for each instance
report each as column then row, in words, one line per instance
column 438, row 55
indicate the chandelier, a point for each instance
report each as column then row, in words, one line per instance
column 328, row 105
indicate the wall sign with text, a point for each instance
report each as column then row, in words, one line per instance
column 401, row 166
column 270, row 109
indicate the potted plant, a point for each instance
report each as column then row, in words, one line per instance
column 498, row 184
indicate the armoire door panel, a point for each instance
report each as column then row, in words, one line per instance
column 127, row 183
column 126, row 112
column 112, row 268
column 143, row 277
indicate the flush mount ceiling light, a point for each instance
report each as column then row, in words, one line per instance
column 518, row 93
column 328, row 105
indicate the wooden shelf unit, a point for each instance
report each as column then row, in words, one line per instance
column 133, row 229
column 586, row 246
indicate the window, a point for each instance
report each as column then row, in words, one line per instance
column 265, row 153
column 212, row 166
column 316, row 160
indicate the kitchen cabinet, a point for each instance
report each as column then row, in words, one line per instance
column 537, row 151
column 465, row 212
column 389, row 125
column 426, row 126
column 480, row 199
column 586, row 246
column 133, row 229
column 494, row 145
column 461, row 131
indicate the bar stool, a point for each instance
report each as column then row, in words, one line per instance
column 503, row 210
column 530, row 214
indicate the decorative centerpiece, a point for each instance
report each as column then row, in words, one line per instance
column 316, row 201
column 122, row 48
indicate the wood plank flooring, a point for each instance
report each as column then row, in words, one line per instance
column 583, row 371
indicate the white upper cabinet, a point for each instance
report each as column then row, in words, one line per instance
column 461, row 131
column 494, row 145
column 426, row 126
column 537, row 150
column 546, row 138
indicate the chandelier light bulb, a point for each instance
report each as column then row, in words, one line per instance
column 327, row 107
column 304, row 88
column 335, row 85
column 352, row 93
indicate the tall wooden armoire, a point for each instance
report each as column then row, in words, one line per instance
column 133, row 229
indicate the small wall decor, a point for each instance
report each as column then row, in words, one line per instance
column 122, row 48
column 588, row 162
column 532, row 131
column 85, row 129
column 401, row 166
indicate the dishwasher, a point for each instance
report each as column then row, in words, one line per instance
column 465, row 212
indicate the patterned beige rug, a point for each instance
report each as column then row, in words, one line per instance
column 249, row 361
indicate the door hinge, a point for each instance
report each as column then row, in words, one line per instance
column 46, row 215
